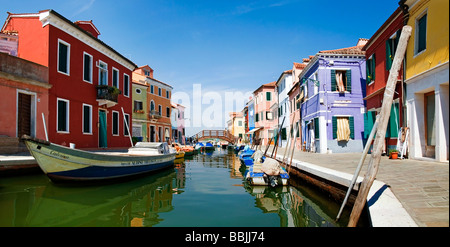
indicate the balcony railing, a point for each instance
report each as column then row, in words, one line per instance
column 107, row 95
column 155, row 114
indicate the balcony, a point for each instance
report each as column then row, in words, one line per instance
column 155, row 114
column 107, row 95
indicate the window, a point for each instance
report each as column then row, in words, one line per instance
column 167, row 112
column 126, row 122
column 115, row 78
column 343, row 128
column 316, row 84
column 257, row 117
column 138, row 106
column 341, row 80
column 167, row 94
column 152, row 105
column 240, row 123
column 152, row 90
column 370, row 69
column 63, row 57
column 138, row 91
column 269, row 115
column 160, row 109
column 268, row 96
column 391, row 47
column 87, row 119
column 159, row 91
column 420, row 42
column 126, row 85
column 62, row 117
column 102, row 73
column 87, row 68
column 115, row 123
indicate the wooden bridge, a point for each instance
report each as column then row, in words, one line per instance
column 220, row 134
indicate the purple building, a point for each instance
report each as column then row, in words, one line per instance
column 332, row 106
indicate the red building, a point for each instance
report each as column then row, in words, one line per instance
column 91, row 82
column 380, row 51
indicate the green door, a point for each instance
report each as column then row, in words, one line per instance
column 102, row 139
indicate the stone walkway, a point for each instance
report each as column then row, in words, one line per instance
column 421, row 186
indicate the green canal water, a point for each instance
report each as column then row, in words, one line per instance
column 207, row 189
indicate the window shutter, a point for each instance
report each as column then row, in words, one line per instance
column 256, row 117
column 268, row 96
column 316, row 128
column 393, row 121
column 333, row 80
column 389, row 55
column 368, row 76
column 351, row 123
column 334, row 120
column 373, row 67
column 349, row 81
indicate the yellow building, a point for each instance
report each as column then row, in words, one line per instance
column 236, row 125
column 427, row 79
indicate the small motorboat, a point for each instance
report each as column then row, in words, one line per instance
column 62, row 163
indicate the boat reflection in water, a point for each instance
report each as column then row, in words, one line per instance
column 133, row 203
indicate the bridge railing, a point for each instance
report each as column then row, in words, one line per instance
column 220, row 134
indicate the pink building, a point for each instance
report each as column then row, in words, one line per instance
column 264, row 97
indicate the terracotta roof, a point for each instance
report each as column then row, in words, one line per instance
column 270, row 84
column 354, row 50
column 299, row 65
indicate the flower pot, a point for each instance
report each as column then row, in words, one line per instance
column 394, row 155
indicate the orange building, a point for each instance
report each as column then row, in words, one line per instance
column 158, row 102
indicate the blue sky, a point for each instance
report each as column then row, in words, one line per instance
column 223, row 45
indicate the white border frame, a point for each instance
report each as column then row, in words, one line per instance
column 91, row 67
column 68, row 57
column 90, row 120
column 67, row 117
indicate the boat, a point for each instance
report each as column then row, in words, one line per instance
column 64, row 164
column 209, row 146
column 245, row 156
column 256, row 177
column 179, row 154
column 188, row 150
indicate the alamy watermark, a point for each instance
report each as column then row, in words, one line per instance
column 210, row 109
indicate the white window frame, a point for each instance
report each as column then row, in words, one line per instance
column 112, row 78
column 416, row 33
column 112, row 123
column 68, row 58
column 100, row 62
column 90, row 67
column 67, row 116
column 128, row 85
column 90, row 120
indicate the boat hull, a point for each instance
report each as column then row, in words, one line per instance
column 60, row 163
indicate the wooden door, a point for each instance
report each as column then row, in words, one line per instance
column 23, row 115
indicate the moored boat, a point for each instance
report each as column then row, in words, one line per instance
column 209, row 146
column 61, row 163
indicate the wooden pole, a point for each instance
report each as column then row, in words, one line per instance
column 45, row 127
column 358, row 168
column 289, row 141
column 293, row 147
column 278, row 137
column 128, row 128
column 381, row 130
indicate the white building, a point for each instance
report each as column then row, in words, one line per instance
column 283, row 85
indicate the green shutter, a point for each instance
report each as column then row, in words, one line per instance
column 316, row 127
column 333, row 80
column 268, row 96
column 256, row 117
column 334, row 120
column 298, row 129
column 394, row 120
column 373, row 67
column 349, row 81
column 389, row 55
column 368, row 76
column 351, row 123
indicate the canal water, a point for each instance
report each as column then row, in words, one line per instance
column 207, row 189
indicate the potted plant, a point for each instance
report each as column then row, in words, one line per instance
column 393, row 154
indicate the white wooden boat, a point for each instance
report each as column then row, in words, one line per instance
column 61, row 163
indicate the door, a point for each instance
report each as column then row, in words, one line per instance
column 430, row 127
column 23, row 115
column 152, row 133
column 102, row 137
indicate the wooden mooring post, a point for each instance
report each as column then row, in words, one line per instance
column 374, row 162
